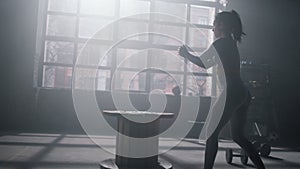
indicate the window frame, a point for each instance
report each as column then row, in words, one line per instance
column 42, row 37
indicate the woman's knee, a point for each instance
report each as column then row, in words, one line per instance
column 212, row 139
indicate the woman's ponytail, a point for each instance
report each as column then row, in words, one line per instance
column 237, row 27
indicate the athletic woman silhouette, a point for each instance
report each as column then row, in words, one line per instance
column 228, row 31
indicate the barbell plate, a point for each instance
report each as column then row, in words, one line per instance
column 265, row 150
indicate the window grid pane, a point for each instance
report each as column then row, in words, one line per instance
column 93, row 55
column 131, row 58
column 134, row 7
column 94, row 28
column 167, row 60
column 57, row 77
column 98, row 7
column 165, row 82
column 130, row 80
column 170, row 35
column 202, row 15
column 59, row 25
column 177, row 11
column 68, row 6
column 68, row 20
column 59, row 52
column 199, row 86
column 90, row 79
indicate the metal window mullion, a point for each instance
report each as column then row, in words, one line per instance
column 203, row 26
column 115, row 39
column 184, row 85
column 93, row 67
column 131, row 44
column 214, row 76
column 75, row 50
column 96, row 16
column 78, row 40
column 44, row 28
column 194, row 2
column 149, row 52
column 59, row 13
column 128, row 19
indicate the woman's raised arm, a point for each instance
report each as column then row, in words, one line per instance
column 205, row 60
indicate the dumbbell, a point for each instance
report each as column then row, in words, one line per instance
column 243, row 156
column 264, row 149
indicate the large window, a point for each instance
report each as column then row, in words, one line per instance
column 65, row 26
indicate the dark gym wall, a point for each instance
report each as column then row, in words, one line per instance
column 17, row 30
column 273, row 38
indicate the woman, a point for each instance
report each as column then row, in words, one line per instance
column 228, row 31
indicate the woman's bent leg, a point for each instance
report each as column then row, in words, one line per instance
column 211, row 149
column 212, row 142
column 238, row 122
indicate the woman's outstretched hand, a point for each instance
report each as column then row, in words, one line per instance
column 183, row 51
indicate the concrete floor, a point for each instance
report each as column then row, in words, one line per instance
column 65, row 151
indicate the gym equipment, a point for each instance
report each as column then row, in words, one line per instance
column 261, row 119
column 229, row 156
column 264, row 149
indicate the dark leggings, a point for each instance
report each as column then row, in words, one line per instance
column 236, row 114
